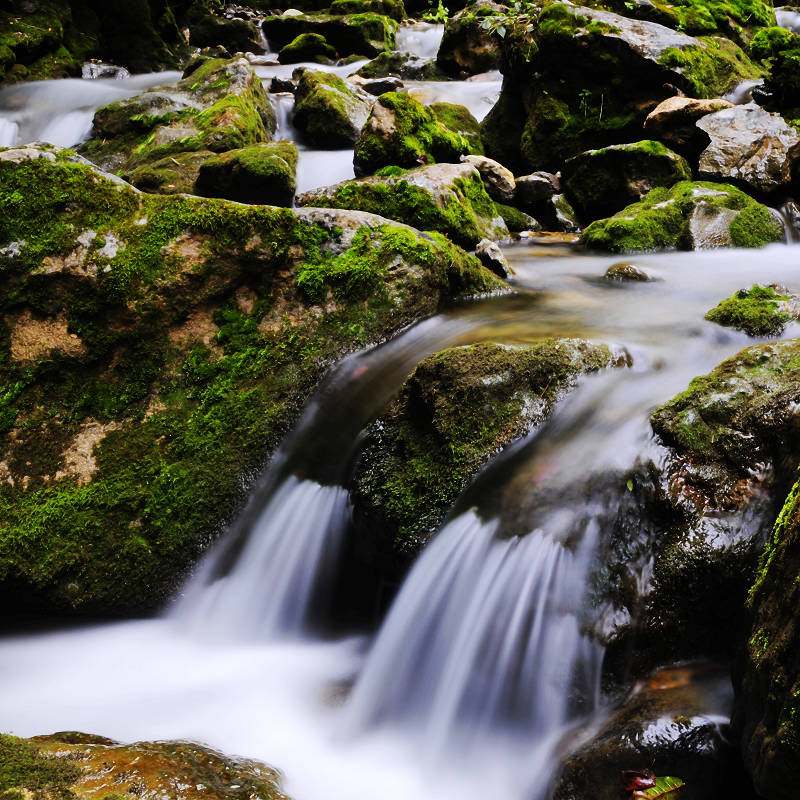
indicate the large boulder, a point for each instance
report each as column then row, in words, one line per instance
column 401, row 132
column 158, row 348
column 467, row 47
column 749, row 146
column 689, row 216
column 328, row 111
column 599, row 183
column 767, row 711
column 449, row 198
column 72, row 765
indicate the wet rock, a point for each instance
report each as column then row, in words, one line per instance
column 278, row 85
column 766, row 714
column 264, row 173
column 676, row 723
column 449, row 198
column 364, row 34
column 599, row 183
column 237, row 309
column 329, row 112
column 749, row 146
column 72, row 764
column 467, row 48
column 307, row 47
column 401, row 132
column 625, row 271
column 491, row 256
column 92, row 70
column 673, row 122
column 498, row 180
column 758, row 311
column 402, row 65
column 380, row 86
column 688, row 216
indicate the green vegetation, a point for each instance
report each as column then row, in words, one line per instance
column 307, row 47
column 460, row 120
column 754, row 311
column 22, row 766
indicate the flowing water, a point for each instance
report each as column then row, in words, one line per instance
column 484, row 660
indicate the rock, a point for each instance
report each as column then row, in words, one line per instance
column 674, row 722
column 264, row 173
column 171, row 175
column 92, row 70
column 590, row 79
column 136, row 302
column 539, row 194
column 673, row 122
column 390, row 8
column 402, row 65
column 357, row 34
column 219, row 105
column 689, row 216
column 235, row 35
column 624, row 271
column 449, row 198
column 307, row 47
column 454, row 412
column 758, row 311
column 749, row 146
column 558, row 215
column 517, row 221
column 498, row 180
column 278, row 85
column 599, row 183
column 329, row 112
column 491, row 256
column 380, row 86
column 467, row 48
column 400, row 131
column 536, row 188
column 766, row 715
column 459, row 119
column 71, row 764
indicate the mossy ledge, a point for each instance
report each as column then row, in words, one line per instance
column 154, row 351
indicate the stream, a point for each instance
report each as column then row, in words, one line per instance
column 481, row 666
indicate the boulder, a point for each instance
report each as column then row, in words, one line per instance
column 263, row 173
column 329, row 112
column 365, row 34
column 498, row 180
column 758, row 311
column 749, row 146
column 390, row 8
column 459, row 119
column 467, row 48
column 380, row 86
column 491, row 256
column 72, row 764
column 673, row 122
column 689, row 216
column 206, row 29
column 402, row 65
column 516, row 220
column 400, row 131
column 160, row 348
column 625, row 272
column 449, row 198
column 599, row 183
column 307, row 47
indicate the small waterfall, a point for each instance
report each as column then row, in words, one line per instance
column 788, row 17
column 421, row 39
column 742, row 93
column 789, row 213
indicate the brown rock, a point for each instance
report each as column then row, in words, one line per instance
column 673, row 121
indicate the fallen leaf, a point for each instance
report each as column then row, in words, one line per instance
column 664, row 787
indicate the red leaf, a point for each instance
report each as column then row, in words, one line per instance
column 638, row 779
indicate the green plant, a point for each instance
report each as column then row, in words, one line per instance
column 438, row 16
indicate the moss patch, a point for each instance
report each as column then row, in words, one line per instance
column 754, row 310
column 459, row 120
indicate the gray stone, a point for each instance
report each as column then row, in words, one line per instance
column 499, row 181
column 491, row 256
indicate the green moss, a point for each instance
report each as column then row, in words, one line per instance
column 307, row 47
column 754, row 310
column 515, row 219
column 328, row 112
column 415, row 136
column 460, row 120
column 768, row 42
column 23, row 767
column 390, row 8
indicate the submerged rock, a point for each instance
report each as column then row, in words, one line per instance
column 83, row 766
column 159, row 349
column 449, row 198
column 758, row 311
column 624, row 271
column 689, row 216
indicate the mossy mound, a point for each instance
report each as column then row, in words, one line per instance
column 459, row 119
column 155, row 350
column 329, row 112
column 69, row 765
column 218, row 105
column 401, row 132
column 758, row 311
column 263, row 173
column 449, row 198
column 307, row 47
column 599, row 183
column 767, row 711
column 688, row 216
column 393, row 9
column 457, row 409
column 366, row 34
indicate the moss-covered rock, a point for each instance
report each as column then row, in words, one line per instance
column 329, row 112
column 599, row 183
column 758, row 311
column 467, row 47
column 767, row 711
column 456, row 410
column 175, row 174
column 154, row 350
column 459, row 119
column 365, row 34
column 71, row 765
column 389, row 8
column 687, row 216
column 449, row 198
column 264, row 173
column 402, row 65
column 307, row 47
column 401, row 132
column 218, row 105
